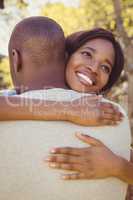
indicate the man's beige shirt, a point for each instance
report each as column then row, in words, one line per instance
column 24, row 145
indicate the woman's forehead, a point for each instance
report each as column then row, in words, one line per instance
column 99, row 42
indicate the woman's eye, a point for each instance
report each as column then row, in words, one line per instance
column 86, row 53
column 106, row 69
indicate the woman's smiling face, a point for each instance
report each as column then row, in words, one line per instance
column 89, row 68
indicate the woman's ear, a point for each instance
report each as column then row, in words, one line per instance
column 16, row 60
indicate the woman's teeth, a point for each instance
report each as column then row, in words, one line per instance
column 86, row 78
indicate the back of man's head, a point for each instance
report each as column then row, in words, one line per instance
column 37, row 54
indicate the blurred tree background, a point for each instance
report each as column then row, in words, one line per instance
column 115, row 15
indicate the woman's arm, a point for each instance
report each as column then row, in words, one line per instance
column 20, row 108
column 87, row 111
column 94, row 162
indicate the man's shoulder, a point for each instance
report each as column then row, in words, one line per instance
column 7, row 92
column 54, row 94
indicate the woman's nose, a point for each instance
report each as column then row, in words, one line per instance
column 94, row 66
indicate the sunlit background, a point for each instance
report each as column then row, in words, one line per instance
column 74, row 15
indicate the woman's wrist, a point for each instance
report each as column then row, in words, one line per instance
column 123, row 169
column 116, row 169
column 127, row 171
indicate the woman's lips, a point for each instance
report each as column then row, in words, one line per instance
column 85, row 79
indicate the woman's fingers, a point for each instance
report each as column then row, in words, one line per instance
column 88, row 139
column 109, row 122
column 111, row 116
column 79, row 175
column 111, row 111
column 73, row 176
column 77, row 151
column 109, row 106
column 106, row 105
column 108, row 115
column 66, row 150
column 64, row 158
column 66, row 166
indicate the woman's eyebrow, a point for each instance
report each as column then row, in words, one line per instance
column 90, row 48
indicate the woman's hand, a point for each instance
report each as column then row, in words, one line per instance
column 90, row 111
column 96, row 161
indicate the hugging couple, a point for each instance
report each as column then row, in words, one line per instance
column 64, row 79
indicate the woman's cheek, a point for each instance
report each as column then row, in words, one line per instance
column 68, row 76
column 105, row 80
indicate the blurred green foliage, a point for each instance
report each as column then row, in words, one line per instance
column 90, row 14
column 5, row 78
column 70, row 18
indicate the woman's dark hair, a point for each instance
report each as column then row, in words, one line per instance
column 77, row 39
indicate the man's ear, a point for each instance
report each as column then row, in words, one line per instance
column 16, row 60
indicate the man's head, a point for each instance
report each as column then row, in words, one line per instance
column 37, row 54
